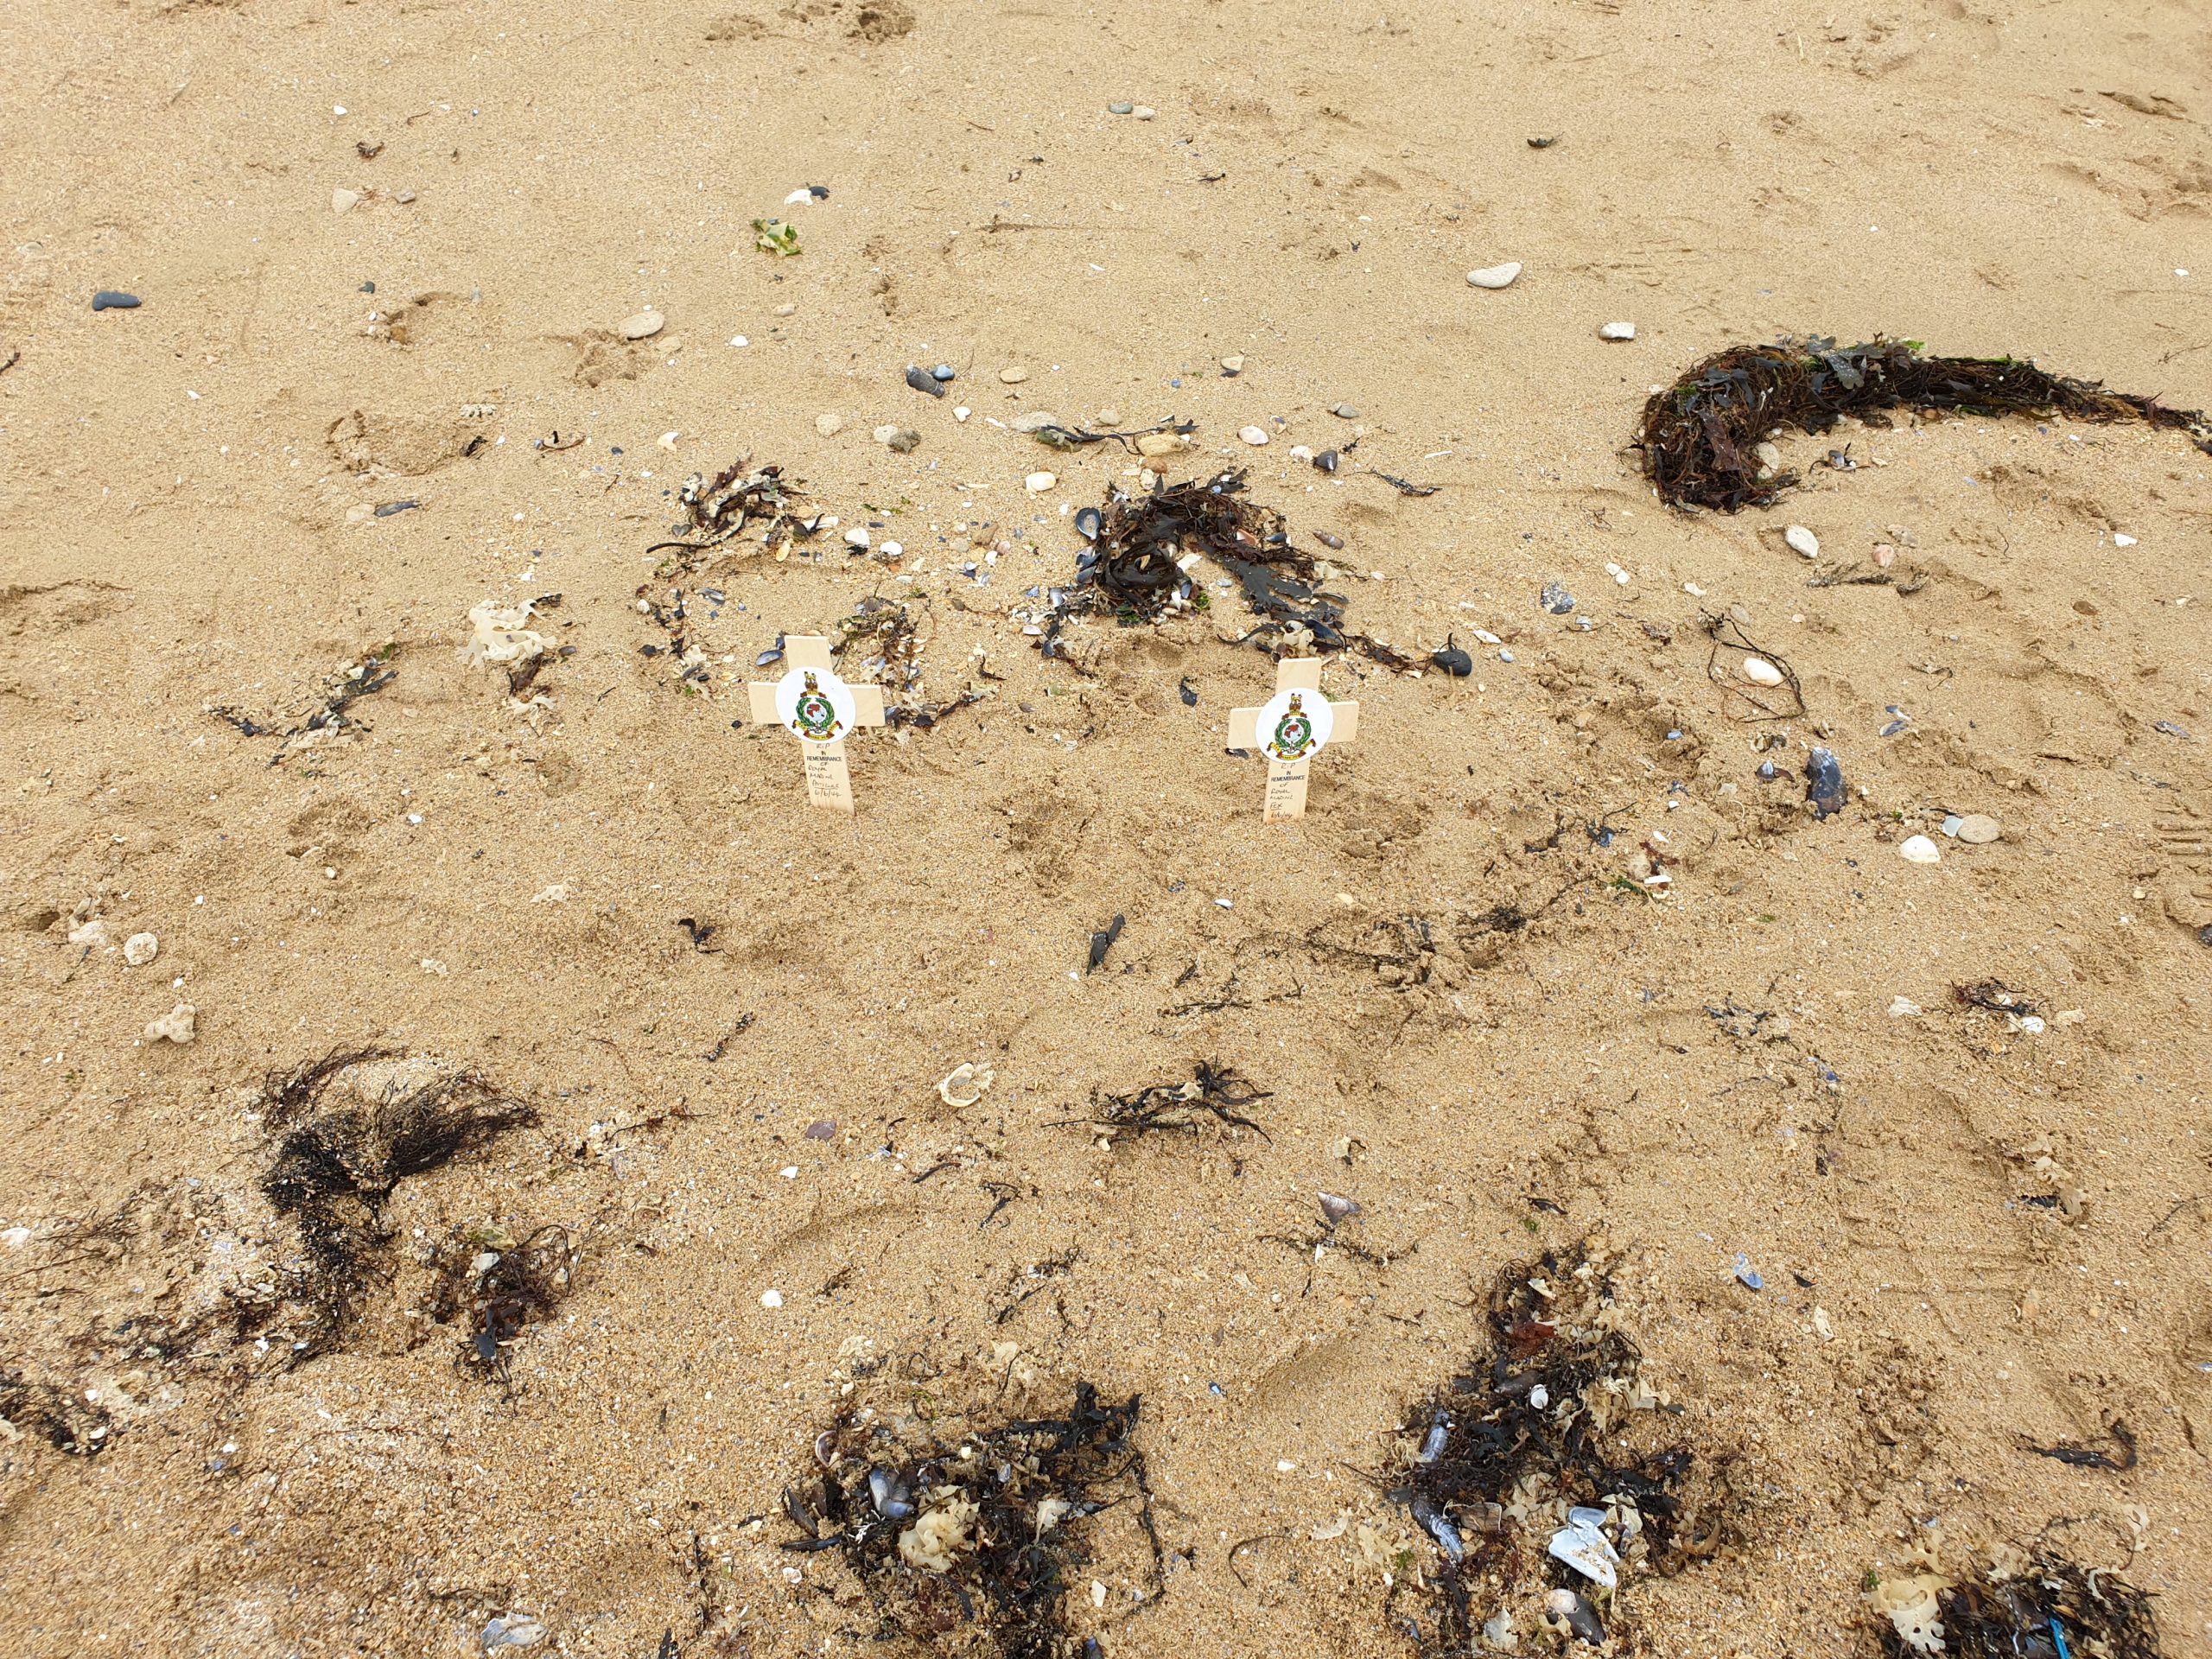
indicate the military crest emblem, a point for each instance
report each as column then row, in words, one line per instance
column 815, row 705
column 1293, row 724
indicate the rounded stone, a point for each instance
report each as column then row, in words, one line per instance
column 1617, row 331
column 1979, row 828
column 1759, row 671
column 1013, row 374
column 1038, row 483
column 140, row 948
column 644, row 326
column 1253, row 435
column 1496, row 275
column 1803, row 540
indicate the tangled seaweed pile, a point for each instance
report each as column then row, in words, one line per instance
column 1137, row 567
column 1542, row 1428
column 971, row 1543
column 1700, row 436
column 2045, row 1607
column 1215, row 1092
column 340, row 1160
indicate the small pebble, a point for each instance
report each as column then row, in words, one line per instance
column 1803, row 540
column 114, row 299
column 1496, row 275
column 1769, row 459
column 1144, row 112
column 1109, row 417
column 922, row 380
column 1346, row 412
column 942, row 371
column 1555, row 599
column 1013, row 374
column 962, row 413
column 822, row 1128
column 828, row 426
column 1759, row 671
column 1038, row 483
column 1233, row 367
column 140, row 948
column 1617, row 331
column 900, row 440
column 2121, row 540
column 772, row 1298
column 1253, row 435
column 1976, row 829
column 1159, row 444
column 643, row 326
column 1918, row 849
column 1121, row 109
column 344, row 201
column 1453, row 661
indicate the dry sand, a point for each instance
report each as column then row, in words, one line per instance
column 2003, row 1232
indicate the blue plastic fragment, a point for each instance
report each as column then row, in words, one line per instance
column 1746, row 1274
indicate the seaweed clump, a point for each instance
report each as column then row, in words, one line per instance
column 1215, row 1093
column 1700, row 436
column 1541, row 1426
column 496, row 1286
column 1136, row 568
column 2048, row 1608
column 972, row 1542
column 338, row 1162
column 716, row 510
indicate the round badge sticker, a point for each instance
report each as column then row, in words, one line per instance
column 815, row 704
column 1293, row 724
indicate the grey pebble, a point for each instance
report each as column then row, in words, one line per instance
column 1119, row 109
column 1556, row 600
column 114, row 299
column 1346, row 412
column 942, row 371
column 922, row 380
column 392, row 507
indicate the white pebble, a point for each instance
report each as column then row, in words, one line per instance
column 1976, row 829
column 1617, row 331
column 1038, row 483
column 642, row 325
column 962, row 413
column 1918, row 849
column 892, row 550
column 140, row 948
column 772, row 1298
column 1253, row 435
column 343, row 201
column 828, row 426
column 2120, row 540
column 1496, row 275
column 857, row 537
column 1759, row 671
column 1803, row 540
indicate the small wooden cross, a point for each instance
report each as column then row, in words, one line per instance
column 1289, row 728
column 816, row 707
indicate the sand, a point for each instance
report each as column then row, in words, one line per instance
column 1973, row 1237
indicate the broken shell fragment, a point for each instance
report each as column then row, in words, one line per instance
column 180, row 1025
column 964, row 1084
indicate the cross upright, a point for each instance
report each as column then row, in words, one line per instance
column 1289, row 729
column 813, row 703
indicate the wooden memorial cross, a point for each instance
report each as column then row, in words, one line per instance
column 816, row 707
column 1290, row 728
